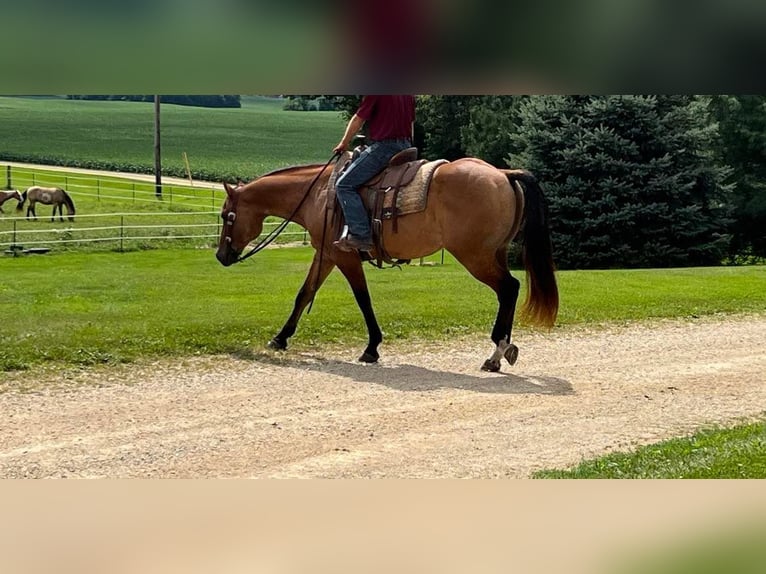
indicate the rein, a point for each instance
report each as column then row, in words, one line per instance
column 231, row 217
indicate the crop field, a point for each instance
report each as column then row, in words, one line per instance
column 234, row 142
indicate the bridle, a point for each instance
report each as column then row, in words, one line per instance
column 231, row 216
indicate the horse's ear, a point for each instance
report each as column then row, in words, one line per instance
column 229, row 190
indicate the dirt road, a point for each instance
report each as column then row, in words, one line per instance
column 425, row 411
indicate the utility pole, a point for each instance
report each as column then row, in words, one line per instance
column 157, row 162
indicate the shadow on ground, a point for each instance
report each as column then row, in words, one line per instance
column 405, row 377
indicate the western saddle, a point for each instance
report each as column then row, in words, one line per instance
column 381, row 195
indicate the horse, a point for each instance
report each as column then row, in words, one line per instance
column 49, row 196
column 473, row 211
column 6, row 195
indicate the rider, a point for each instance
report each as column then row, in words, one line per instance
column 389, row 121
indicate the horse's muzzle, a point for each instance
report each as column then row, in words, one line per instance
column 226, row 255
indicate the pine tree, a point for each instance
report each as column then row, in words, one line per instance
column 490, row 124
column 442, row 118
column 742, row 128
column 630, row 180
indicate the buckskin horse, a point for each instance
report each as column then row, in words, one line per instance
column 6, row 195
column 54, row 196
column 473, row 210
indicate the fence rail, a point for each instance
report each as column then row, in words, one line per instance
column 20, row 236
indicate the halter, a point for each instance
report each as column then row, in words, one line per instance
column 231, row 217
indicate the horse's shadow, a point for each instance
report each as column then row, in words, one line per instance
column 404, row 377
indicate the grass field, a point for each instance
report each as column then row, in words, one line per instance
column 245, row 142
column 713, row 453
column 80, row 308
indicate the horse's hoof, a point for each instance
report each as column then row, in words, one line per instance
column 491, row 366
column 368, row 357
column 277, row 345
column 511, row 354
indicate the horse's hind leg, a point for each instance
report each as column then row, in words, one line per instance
column 507, row 295
column 493, row 272
column 314, row 280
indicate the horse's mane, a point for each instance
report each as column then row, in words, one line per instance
column 290, row 168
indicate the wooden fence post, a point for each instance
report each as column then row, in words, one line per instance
column 8, row 177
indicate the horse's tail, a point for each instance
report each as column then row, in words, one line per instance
column 542, row 302
column 20, row 205
column 69, row 202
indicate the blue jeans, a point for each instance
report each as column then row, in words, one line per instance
column 370, row 163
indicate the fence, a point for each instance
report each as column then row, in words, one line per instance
column 125, row 231
column 185, row 216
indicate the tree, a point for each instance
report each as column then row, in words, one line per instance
column 742, row 145
column 491, row 121
column 630, row 180
column 442, row 118
column 207, row 101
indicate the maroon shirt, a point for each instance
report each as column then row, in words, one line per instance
column 388, row 117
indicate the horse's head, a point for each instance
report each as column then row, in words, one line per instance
column 242, row 223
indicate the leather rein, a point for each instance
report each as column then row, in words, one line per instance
column 231, row 217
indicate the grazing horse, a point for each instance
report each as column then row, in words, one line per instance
column 473, row 210
column 6, row 195
column 49, row 196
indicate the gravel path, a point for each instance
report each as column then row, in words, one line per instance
column 424, row 411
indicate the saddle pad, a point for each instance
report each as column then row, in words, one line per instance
column 412, row 197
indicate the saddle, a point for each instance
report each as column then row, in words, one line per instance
column 400, row 189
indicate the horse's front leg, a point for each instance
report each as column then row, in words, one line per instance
column 314, row 280
column 351, row 267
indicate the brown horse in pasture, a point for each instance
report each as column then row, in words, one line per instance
column 54, row 196
column 6, row 195
column 473, row 210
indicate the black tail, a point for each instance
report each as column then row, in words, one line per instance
column 542, row 303
column 69, row 204
column 20, row 205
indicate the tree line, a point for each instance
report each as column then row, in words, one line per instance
column 631, row 180
column 205, row 101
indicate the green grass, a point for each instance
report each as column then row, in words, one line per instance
column 247, row 141
column 714, row 453
column 80, row 308
column 637, row 294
